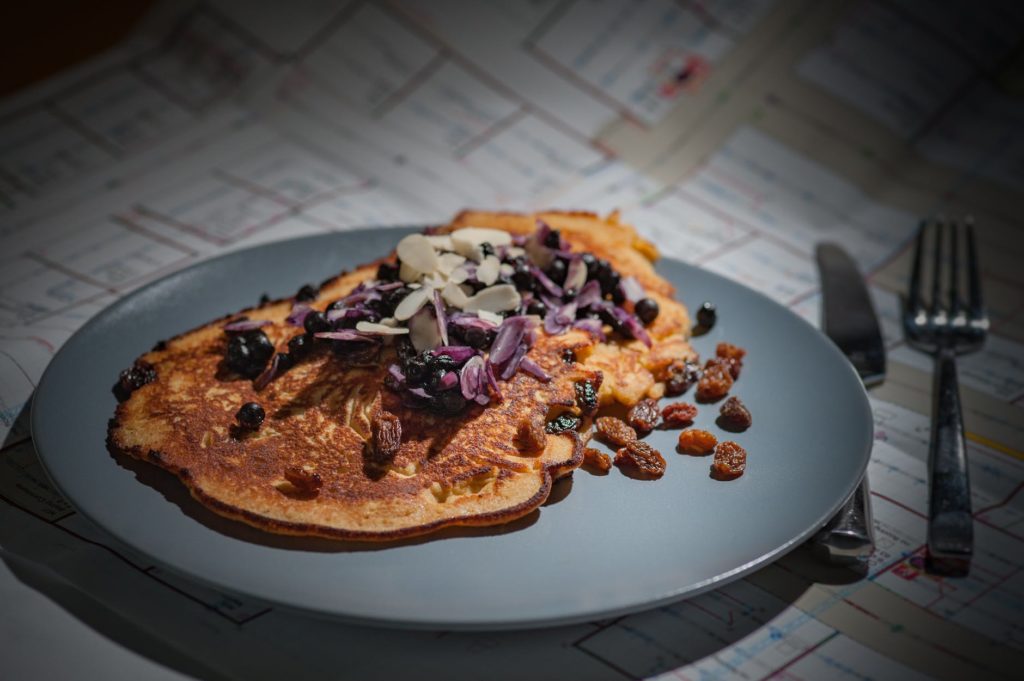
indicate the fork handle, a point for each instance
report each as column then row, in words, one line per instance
column 950, row 524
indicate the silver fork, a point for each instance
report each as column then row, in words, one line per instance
column 945, row 331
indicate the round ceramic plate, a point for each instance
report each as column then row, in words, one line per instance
column 601, row 546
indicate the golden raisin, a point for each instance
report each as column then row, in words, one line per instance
column 715, row 383
column 694, row 441
column 597, row 460
column 614, row 431
column 678, row 415
column 640, row 460
column 730, row 351
column 385, row 436
column 734, row 415
column 530, row 435
column 644, row 416
column 306, row 483
column 730, row 461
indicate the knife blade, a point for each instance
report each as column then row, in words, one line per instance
column 849, row 319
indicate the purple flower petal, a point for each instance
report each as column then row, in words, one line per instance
column 298, row 314
column 513, row 363
column 531, row 367
column 344, row 335
column 589, row 294
column 549, row 286
column 243, row 325
column 591, row 326
column 442, row 320
column 459, row 353
column 273, row 370
column 631, row 289
column 448, row 381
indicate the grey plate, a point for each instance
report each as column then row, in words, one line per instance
column 610, row 546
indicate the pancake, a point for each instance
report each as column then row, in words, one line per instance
column 487, row 465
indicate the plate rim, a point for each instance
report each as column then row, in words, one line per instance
column 466, row 624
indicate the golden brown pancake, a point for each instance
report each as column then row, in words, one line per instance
column 487, row 466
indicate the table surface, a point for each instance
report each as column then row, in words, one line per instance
column 734, row 134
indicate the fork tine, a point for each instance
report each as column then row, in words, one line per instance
column 914, row 304
column 973, row 276
column 954, row 269
column 937, row 271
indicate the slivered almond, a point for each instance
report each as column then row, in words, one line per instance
column 454, row 295
column 467, row 241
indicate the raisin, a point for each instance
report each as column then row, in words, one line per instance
column 678, row 415
column 306, row 483
column 680, row 376
column 563, row 422
column 644, row 416
column 614, row 431
column 730, row 351
column 568, row 356
column 530, row 435
column 730, row 461
column 385, row 436
column 715, row 383
column 734, row 415
column 586, row 396
column 640, row 460
column 597, row 460
column 696, row 441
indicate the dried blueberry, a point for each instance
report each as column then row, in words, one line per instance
column 586, row 396
column 307, row 293
column 647, row 310
column 450, row 402
column 707, row 315
column 476, row 337
column 563, row 422
column 251, row 415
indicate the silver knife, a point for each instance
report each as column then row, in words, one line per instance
column 849, row 319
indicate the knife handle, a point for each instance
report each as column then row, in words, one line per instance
column 950, row 524
column 849, row 537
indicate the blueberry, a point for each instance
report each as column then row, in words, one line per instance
column 553, row 239
column 609, row 280
column 522, row 278
column 316, row 322
column 251, row 415
column 537, row 307
column 260, row 347
column 299, row 346
column 568, row 356
column 486, row 249
column 591, row 262
column 415, row 370
column 387, row 272
column 647, row 310
column 556, row 271
column 306, row 293
column 476, row 337
column 706, row 315
column 569, row 295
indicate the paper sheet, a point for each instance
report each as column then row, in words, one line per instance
column 735, row 134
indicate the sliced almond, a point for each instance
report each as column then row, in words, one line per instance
column 467, row 241
column 423, row 331
column 494, row 299
column 487, row 272
column 458, row 275
column 491, row 317
column 417, row 251
column 447, row 262
column 411, row 304
column 408, row 273
column 454, row 295
column 380, row 329
column 434, row 281
column 441, row 242
column 515, row 251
